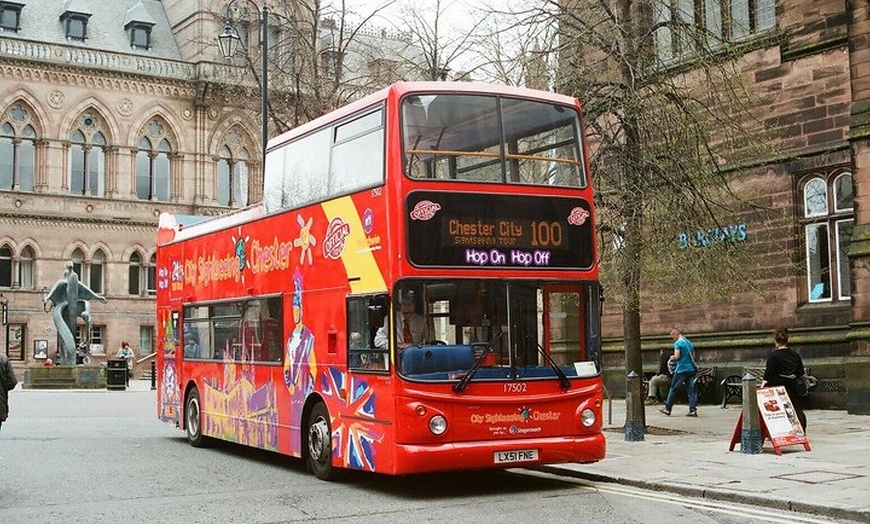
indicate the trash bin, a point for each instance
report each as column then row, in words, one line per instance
column 116, row 374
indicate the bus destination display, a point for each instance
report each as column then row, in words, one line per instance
column 474, row 230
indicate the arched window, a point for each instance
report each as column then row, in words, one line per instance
column 78, row 262
column 134, row 275
column 153, row 166
column 829, row 217
column 87, row 158
column 5, row 266
column 26, row 268
column 17, row 149
column 152, row 276
column 232, row 177
column 96, row 282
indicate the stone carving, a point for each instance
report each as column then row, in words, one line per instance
column 124, row 107
column 56, row 99
column 70, row 299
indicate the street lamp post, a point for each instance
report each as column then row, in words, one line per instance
column 229, row 40
column 4, row 318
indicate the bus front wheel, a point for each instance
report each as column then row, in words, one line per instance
column 320, row 443
column 193, row 419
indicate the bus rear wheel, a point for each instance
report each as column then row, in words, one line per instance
column 320, row 443
column 193, row 419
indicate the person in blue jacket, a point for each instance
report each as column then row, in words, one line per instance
column 684, row 373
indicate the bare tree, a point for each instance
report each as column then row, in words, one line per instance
column 443, row 42
column 668, row 127
column 321, row 56
column 514, row 50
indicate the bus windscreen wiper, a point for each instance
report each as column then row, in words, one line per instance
column 563, row 379
column 463, row 382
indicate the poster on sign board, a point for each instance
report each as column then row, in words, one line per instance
column 779, row 416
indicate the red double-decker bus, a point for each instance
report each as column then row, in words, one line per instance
column 418, row 291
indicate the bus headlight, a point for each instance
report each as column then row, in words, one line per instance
column 587, row 417
column 438, row 425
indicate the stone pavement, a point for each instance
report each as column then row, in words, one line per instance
column 690, row 456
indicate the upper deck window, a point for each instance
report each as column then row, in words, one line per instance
column 481, row 138
column 335, row 160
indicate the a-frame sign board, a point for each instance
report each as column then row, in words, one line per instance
column 778, row 420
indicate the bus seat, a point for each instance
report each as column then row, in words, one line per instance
column 431, row 359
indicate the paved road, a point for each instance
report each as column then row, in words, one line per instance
column 102, row 457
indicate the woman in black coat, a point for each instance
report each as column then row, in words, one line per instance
column 784, row 368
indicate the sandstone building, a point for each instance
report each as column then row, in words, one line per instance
column 809, row 62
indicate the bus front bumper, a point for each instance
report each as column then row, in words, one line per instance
column 491, row 454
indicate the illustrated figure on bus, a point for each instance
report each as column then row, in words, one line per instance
column 410, row 326
column 299, row 364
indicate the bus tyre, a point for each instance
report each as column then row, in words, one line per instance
column 193, row 419
column 320, row 443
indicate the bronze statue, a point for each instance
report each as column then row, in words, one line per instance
column 71, row 299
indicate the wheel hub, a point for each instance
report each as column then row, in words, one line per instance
column 318, row 440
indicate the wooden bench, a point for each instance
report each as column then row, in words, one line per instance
column 733, row 384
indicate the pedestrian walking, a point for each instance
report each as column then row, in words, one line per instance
column 7, row 384
column 685, row 370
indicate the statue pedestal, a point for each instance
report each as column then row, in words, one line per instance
column 64, row 377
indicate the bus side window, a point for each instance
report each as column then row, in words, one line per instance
column 364, row 315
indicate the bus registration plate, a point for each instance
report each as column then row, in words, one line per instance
column 520, row 455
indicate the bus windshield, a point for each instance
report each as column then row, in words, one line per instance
column 518, row 329
column 480, row 138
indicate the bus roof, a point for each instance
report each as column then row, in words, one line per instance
column 401, row 88
column 189, row 226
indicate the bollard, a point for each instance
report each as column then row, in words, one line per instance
column 633, row 409
column 153, row 375
column 750, row 434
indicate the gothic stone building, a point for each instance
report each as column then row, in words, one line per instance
column 111, row 113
